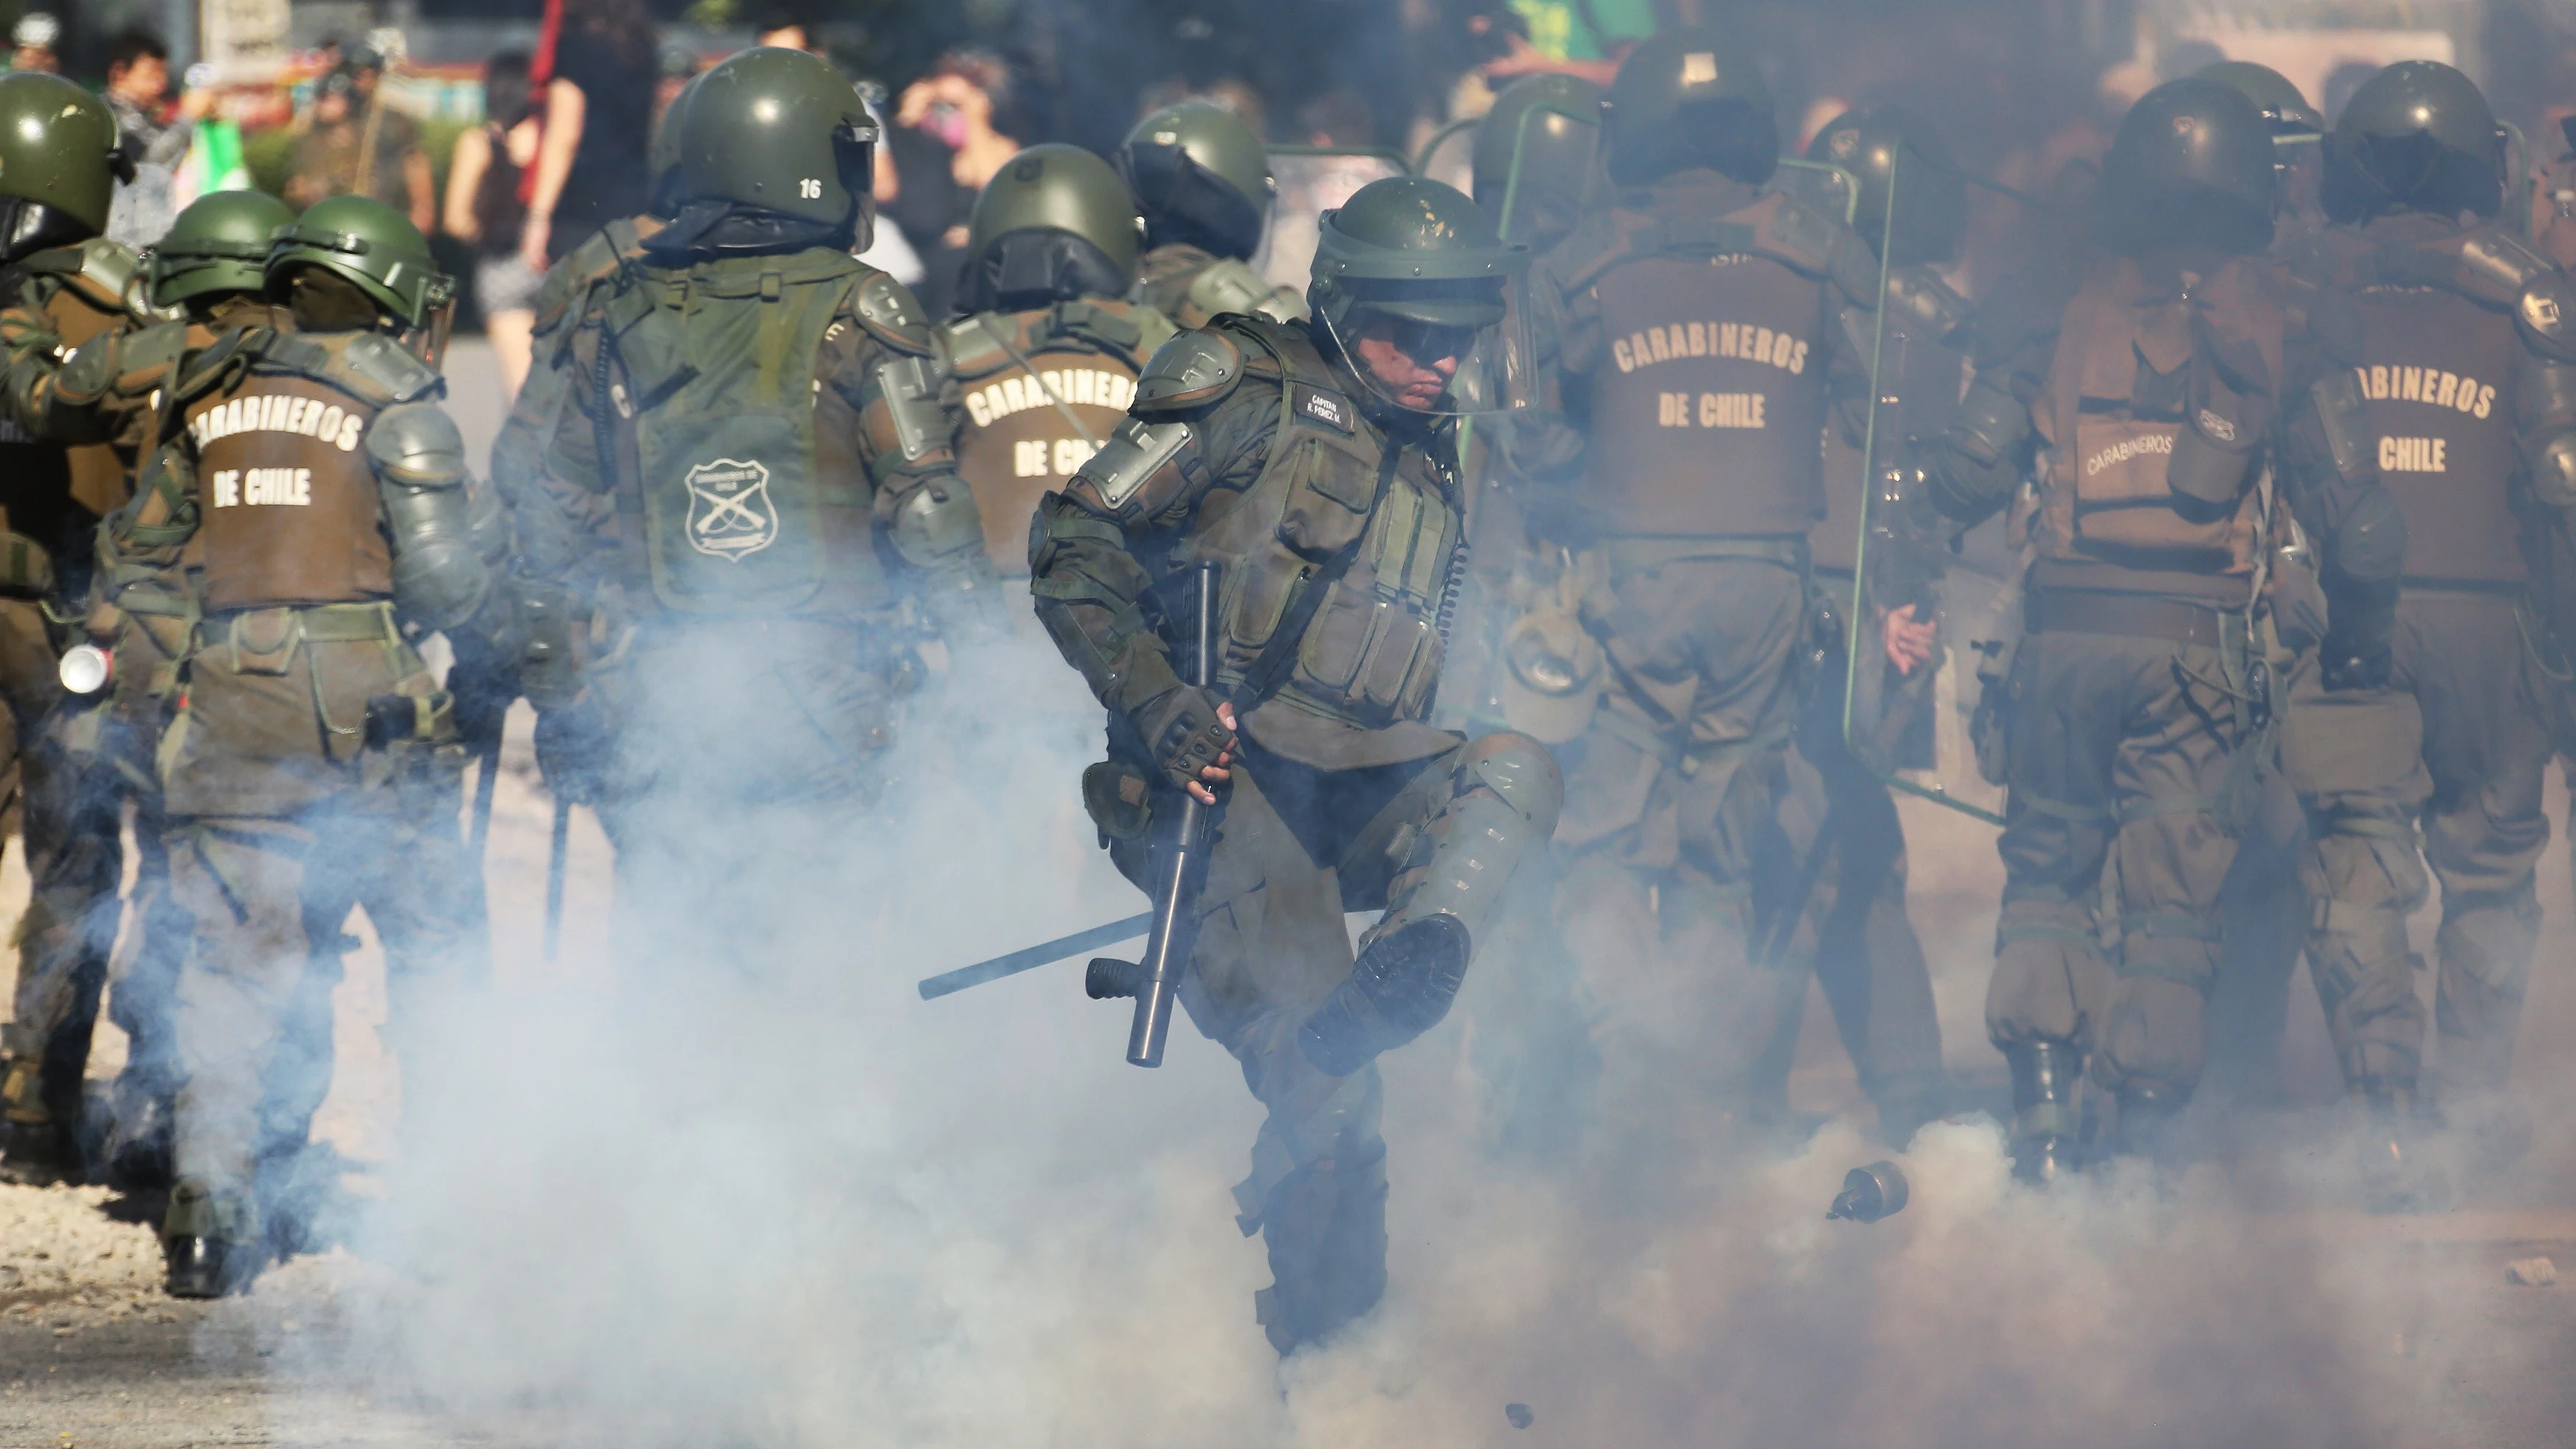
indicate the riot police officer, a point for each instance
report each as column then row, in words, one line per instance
column 61, row 284
column 1202, row 182
column 1843, row 906
column 1312, row 462
column 207, row 270
column 2439, row 418
column 729, row 558
column 1046, row 346
column 1692, row 326
column 2137, row 709
column 312, row 765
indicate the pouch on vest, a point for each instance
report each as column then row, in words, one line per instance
column 731, row 504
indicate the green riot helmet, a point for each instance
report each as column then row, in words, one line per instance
column 377, row 257
column 2287, row 111
column 662, row 154
column 2191, row 166
column 1889, row 149
column 59, row 163
column 1201, row 179
column 779, row 133
column 218, row 244
column 1055, row 223
column 2418, row 136
column 1689, row 98
column 1419, row 258
column 1536, row 153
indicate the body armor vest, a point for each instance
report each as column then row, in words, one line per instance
column 2110, row 414
column 287, row 505
column 1025, row 434
column 1708, row 406
column 1371, row 653
column 729, row 499
column 2435, row 366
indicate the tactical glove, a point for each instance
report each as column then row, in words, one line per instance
column 1181, row 730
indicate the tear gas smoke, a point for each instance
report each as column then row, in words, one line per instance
column 791, row 1205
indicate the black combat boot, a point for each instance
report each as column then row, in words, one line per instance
column 2045, row 1128
column 1401, row 986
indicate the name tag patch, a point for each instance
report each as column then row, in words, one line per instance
column 1325, row 408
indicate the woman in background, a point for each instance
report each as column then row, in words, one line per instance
column 483, row 210
column 946, row 143
column 598, row 111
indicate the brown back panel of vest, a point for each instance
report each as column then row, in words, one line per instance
column 2111, row 413
column 1018, row 443
column 1708, row 408
column 286, row 497
column 2435, row 367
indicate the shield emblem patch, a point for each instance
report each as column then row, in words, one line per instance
column 730, row 513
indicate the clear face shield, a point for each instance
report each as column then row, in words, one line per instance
column 1451, row 350
column 854, row 163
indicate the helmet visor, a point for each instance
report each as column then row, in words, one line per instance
column 1478, row 344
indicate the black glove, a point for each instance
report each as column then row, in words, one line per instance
column 2361, row 633
column 1182, row 733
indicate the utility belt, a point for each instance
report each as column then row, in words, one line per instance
column 2069, row 611
column 1635, row 553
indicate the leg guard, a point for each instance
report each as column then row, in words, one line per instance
column 1504, row 796
column 2044, row 1127
column 1317, row 1196
column 2486, row 945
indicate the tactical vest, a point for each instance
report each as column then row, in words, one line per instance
column 1370, row 655
column 1708, row 406
column 725, row 494
column 2110, row 414
column 49, row 494
column 1025, row 433
column 2435, row 365
column 287, row 504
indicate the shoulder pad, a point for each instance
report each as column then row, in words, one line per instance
column 382, row 364
column 584, row 267
column 201, row 370
column 891, row 314
column 1227, row 285
column 2495, row 261
column 972, row 348
column 1193, row 369
column 100, row 269
column 417, row 444
column 1794, row 232
column 1918, row 298
column 1112, row 326
column 146, row 357
column 2546, row 317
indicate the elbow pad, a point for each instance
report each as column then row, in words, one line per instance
column 2544, row 408
column 419, row 457
column 2369, row 541
column 936, row 522
column 906, row 419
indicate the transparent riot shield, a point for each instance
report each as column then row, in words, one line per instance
column 1313, row 180
column 1826, row 187
column 1918, row 618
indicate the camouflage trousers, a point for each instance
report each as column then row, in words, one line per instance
column 2445, row 765
column 1296, row 848
column 2119, row 833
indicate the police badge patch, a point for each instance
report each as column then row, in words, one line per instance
column 730, row 513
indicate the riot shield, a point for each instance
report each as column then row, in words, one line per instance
column 1917, row 618
column 1313, row 180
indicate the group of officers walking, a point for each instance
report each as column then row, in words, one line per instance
column 1669, row 446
